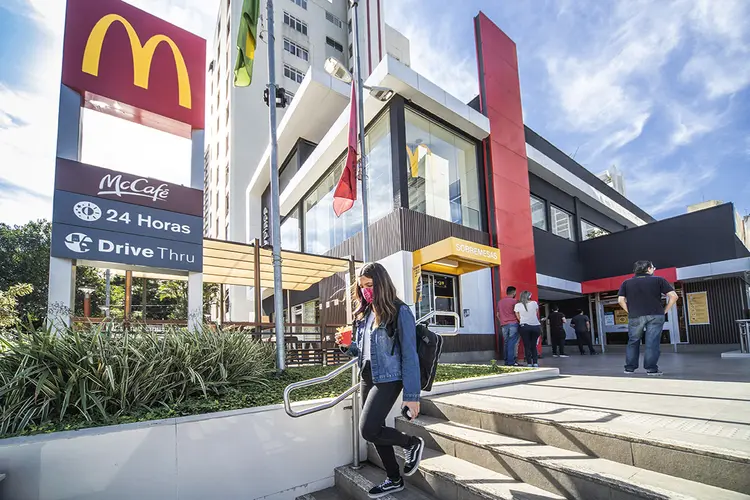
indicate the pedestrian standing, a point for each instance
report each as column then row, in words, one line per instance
column 557, row 330
column 507, row 317
column 641, row 297
column 387, row 365
column 582, row 326
column 527, row 313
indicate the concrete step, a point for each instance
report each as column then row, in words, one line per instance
column 328, row 494
column 354, row 484
column 659, row 445
column 571, row 474
column 449, row 478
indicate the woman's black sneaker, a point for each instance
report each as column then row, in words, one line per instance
column 389, row 486
column 413, row 456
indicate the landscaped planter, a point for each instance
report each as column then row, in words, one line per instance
column 242, row 454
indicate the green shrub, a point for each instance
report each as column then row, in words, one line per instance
column 99, row 375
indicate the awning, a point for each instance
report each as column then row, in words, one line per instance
column 229, row 263
column 456, row 256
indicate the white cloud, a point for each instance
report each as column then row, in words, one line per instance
column 664, row 189
column 433, row 49
column 689, row 124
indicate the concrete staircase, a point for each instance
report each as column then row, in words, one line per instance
column 485, row 446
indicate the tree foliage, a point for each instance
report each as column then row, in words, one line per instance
column 9, row 304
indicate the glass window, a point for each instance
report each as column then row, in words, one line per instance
column 590, row 231
column 323, row 230
column 296, row 49
column 295, row 23
column 290, row 239
column 333, row 43
column 334, row 20
column 442, row 171
column 301, row 3
column 562, row 223
column 437, row 293
column 538, row 213
column 293, row 73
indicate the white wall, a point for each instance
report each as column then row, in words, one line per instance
column 399, row 266
column 244, row 454
column 476, row 296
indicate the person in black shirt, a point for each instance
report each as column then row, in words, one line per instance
column 640, row 296
column 582, row 325
column 556, row 322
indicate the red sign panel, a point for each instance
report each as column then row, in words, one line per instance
column 127, row 56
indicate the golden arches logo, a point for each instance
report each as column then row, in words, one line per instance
column 142, row 56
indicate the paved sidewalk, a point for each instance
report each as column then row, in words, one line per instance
column 682, row 365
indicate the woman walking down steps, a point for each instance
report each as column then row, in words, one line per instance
column 386, row 346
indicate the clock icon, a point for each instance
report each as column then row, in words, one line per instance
column 87, row 211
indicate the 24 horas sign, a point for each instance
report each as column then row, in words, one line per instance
column 116, row 53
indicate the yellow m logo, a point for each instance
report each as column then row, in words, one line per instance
column 142, row 56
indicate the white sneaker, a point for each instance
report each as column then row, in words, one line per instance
column 564, row 356
column 536, row 365
column 555, row 356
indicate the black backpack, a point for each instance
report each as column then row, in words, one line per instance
column 429, row 347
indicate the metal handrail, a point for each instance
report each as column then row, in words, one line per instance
column 314, row 381
column 432, row 314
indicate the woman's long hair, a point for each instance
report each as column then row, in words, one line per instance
column 525, row 298
column 385, row 300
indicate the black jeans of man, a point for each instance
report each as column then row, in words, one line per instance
column 377, row 402
column 558, row 342
column 585, row 338
column 530, row 335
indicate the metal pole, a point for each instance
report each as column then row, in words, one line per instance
column 361, row 113
column 351, row 276
column 107, row 292
column 278, row 293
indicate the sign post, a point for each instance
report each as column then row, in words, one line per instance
column 101, row 216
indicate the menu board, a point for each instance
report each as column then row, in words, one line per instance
column 621, row 317
column 697, row 303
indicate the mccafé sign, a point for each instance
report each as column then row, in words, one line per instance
column 116, row 52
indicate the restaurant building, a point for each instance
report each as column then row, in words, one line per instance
column 465, row 200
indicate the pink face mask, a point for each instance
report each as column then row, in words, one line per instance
column 368, row 294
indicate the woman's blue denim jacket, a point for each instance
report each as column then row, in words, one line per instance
column 403, row 364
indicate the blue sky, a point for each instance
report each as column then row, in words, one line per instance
column 659, row 88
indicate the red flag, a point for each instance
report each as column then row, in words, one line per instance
column 346, row 189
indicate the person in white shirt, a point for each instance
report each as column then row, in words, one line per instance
column 527, row 312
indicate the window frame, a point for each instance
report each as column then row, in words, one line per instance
column 334, row 19
column 546, row 227
column 295, row 23
column 330, row 42
column 296, row 49
column 594, row 226
column 571, row 225
column 292, row 70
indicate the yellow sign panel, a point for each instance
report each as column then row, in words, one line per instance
column 142, row 56
column 416, row 277
column 621, row 317
column 456, row 256
column 697, row 303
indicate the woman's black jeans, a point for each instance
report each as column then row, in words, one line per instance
column 530, row 335
column 377, row 402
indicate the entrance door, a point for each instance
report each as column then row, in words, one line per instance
column 439, row 293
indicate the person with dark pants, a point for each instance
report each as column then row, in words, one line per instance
column 582, row 325
column 509, row 324
column 641, row 297
column 386, row 345
column 527, row 312
column 557, row 330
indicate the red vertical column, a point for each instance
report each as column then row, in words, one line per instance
column 507, row 171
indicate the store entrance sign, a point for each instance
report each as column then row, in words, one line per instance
column 697, row 303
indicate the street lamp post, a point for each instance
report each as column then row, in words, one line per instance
column 361, row 115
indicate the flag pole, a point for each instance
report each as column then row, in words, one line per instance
column 361, row 118
column 278, row 293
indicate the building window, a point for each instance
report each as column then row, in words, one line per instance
column 562, row 223
column 538, row 213
column 323, row 230
column 289, row 95
column 301, row 3
column 293, row 74
column 334, row 20
column 350, row 25
column 333, row 43
column 290, row 237
column 590, row 231
column 295, row 23
column 226, row 175
column 226, row 202
column 351, row 51
column 437, row 292
column 227, row 147
column 442, row 171
column 296, row 50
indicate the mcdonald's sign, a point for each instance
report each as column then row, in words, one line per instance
column 134, row 65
